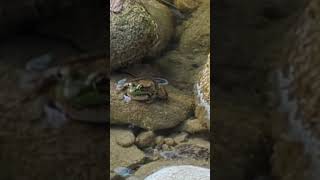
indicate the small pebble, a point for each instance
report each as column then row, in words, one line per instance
column 159, row 140
column 165, row 147
column 182, row 137
column 169, row 141
column 145, row 139
column 123, row 171
column 125, row 139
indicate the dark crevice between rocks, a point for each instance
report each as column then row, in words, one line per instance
column 248, row 37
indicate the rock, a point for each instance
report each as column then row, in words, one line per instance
column 199, row 142
column 128, row 157
column 196, row 31
column 133, row 178
column 140, row 29
column 165, row 147
column 184, row 172
column 159, row 140
column 169, row 141
column 152, row 167
column 181, row 137
column 186, row 5
column 124, row 138
column 145, row 139
column 202, row 111
column 165, row 25
column 153, row 116
column 123, row 171
column 188, row 150
column 193, row 126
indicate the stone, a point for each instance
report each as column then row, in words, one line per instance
column 140, row 29
column 181, row 137
column 183, row 172
column 193, row 126
column 145, row 139
column 165, row 147
column 120, row 156
column 169, row 141
column 152, row 167
column 124, row 138
column 186, row 5
column 159, row 140
column 202, row 111
column 151, row 116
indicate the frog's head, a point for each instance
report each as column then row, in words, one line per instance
column 134, row 88
column 82, row 89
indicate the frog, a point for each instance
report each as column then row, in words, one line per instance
column 144, row 89
column 82, row 91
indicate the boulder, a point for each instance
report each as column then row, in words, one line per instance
column 140, row 29
column 153, row 116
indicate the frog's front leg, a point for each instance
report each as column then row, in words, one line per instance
column 162, row 93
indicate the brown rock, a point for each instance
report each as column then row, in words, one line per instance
column 145, row 139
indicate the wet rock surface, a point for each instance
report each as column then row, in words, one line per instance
column 157, row 125
column 153, row 116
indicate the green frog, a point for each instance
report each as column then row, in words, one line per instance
column 81, row 91
column 144, row 89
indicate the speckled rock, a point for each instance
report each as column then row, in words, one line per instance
column 124, row 138
column 299, row 85
column 140, row 29
column 153, row 116
column 203, row 95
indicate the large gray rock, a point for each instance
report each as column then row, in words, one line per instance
column 184, row 172
column 153, row 116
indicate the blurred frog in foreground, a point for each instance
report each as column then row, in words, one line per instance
column 77, row 89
